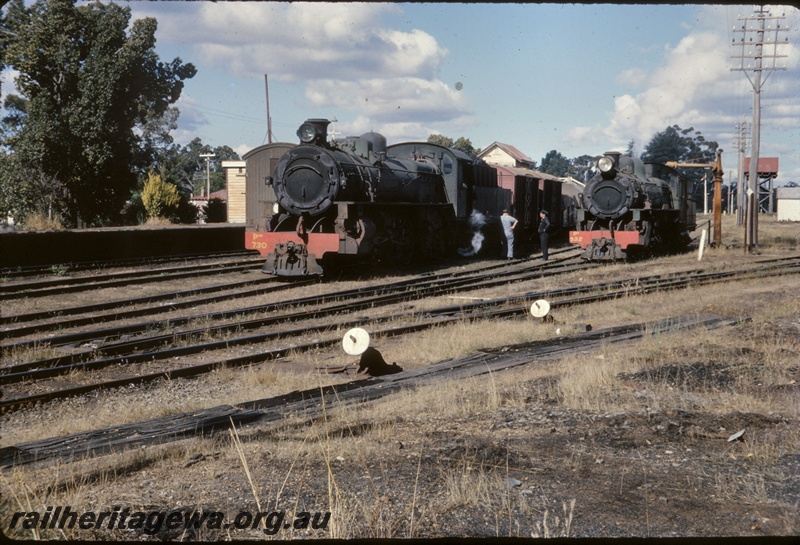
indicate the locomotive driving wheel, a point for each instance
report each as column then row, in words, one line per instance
column 403, row 242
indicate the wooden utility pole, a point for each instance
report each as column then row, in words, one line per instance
column 754, row 50
column 740, row 142
column 207, row 157
column 269, row 119
column 716, row 170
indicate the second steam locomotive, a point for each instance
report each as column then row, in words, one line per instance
column 360, row 197
column 630, row 207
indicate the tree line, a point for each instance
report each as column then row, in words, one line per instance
column 86, row 139
column 90, row 123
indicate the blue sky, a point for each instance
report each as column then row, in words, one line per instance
column 580, row 79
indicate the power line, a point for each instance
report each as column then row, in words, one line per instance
column 220, row 113
column 228, row 115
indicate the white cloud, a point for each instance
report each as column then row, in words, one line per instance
column 346, row 58
column 389, row 99
column 694, row 87
column 8, row 78
column 632, row 77
column 299, row 41
column 241, row 149
column 191, row 117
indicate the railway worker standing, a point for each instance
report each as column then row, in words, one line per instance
column 544, row 225
column 509, row 224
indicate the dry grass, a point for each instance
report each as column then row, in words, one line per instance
column 75, row 484
column 40, row 222
column 164, row 398
column 156, row 221
column 409, row 463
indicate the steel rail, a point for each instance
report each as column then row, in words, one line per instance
column 58, row 366
column 381, row 295
column 117, row 331
column 439, row 317
column 25, row 271
column 171, row 304
column 83, row 283
column 61, row 365
column 94, row 308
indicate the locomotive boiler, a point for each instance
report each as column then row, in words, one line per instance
column 629, row 207
column 358, row 197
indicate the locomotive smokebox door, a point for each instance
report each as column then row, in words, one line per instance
column 307, row 181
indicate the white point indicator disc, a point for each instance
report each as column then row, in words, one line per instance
column 355, row 341
column 540, row 308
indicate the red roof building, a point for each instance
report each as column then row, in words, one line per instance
column 506, row 155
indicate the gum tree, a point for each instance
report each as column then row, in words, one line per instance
column 554, row 163
column 685, row 146
column 94, row 99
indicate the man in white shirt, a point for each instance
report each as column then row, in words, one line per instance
column 509, row 223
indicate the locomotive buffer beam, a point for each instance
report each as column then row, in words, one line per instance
column 291, row 259
column 603, row 249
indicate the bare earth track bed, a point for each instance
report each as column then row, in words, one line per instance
column 693, row 432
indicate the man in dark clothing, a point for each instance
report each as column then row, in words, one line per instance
column 544, row 225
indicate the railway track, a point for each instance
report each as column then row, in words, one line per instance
column 60, row 286
column 354, row 300
column 308, row 404
column 14, row 273
column 58, row 323
column 499, row 308
column 51, row 320
column 55, row 320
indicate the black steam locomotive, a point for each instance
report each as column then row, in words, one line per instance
column 629, row 207
column 360, row 197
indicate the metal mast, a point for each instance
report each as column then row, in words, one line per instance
column 754, row 49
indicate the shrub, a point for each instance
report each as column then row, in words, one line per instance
column 160, row 198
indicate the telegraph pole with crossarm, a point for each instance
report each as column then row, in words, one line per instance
column 762, row 29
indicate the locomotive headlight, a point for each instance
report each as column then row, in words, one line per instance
column 307, row 133
column 605, row 164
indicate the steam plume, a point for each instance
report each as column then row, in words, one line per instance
column 476, row 223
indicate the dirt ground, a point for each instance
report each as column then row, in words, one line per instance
column 524, row 465
column 704, row 441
